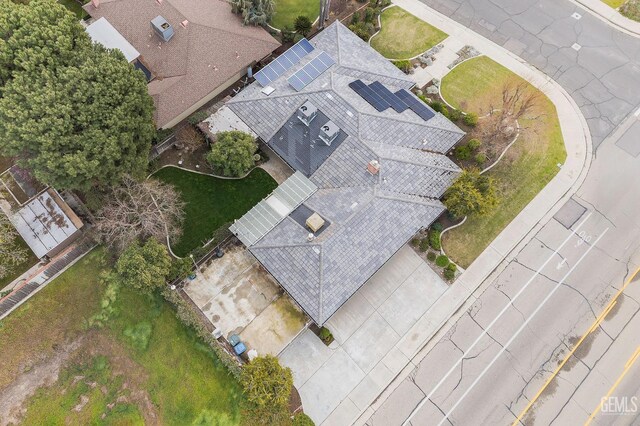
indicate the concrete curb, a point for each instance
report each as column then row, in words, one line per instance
column 577, row 138
column 610, row 16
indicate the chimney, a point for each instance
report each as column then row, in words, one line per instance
column 373, row 167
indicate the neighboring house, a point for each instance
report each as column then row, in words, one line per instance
column 190, row 50
column 47, row 224
column 369, row 160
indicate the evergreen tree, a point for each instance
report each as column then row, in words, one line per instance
column 74, row 113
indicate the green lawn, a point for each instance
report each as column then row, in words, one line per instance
column 212, row 202
column 288, row 10
column 614, row 3
column 21, row 268
column 528, row 166
column 404, row 36
column 144, row 354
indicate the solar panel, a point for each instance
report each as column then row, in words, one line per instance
column 415, row 104
column 284, row 62
column 369, row 95
column 312, row 70
column 391, row 98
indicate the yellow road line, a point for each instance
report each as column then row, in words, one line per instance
column 593, row 326
column 627, row 367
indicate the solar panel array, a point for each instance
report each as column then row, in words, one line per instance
column 312, row 70
column 382, row 98
column 284, row 62
column 415, row 104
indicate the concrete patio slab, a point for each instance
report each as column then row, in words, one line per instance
column 239, row 297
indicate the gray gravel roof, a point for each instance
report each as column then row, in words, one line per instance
column 371, row 215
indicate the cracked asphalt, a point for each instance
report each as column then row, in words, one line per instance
column 603, row 76
column 524, row 322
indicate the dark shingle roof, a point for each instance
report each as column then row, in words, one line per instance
column 371, row 215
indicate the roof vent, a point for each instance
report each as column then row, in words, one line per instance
column 307, row 112
column 267, row 90
column 328, row 132
column 162, row 28
column 311, row 237
column 184, row 23
column 373, row 167
column 95, row 3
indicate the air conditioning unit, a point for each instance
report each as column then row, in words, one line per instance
column 328, row 132
column 162, row 28
column 307, row 112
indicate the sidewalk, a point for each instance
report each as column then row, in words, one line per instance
column 610, row 16
column 414, row 344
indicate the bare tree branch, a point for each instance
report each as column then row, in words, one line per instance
column 139, row 210
column 11, row 254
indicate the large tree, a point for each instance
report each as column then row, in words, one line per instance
column 42, row 33
column 11, row 254
column 83, row 117
column 139, row 210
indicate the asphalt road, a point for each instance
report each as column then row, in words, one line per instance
column 510, row 357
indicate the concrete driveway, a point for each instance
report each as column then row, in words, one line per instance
column 238, row 296
column 338, row 381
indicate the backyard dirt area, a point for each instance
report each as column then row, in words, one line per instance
column 239, row 296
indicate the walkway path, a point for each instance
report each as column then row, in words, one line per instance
column 44, row 276
column 611, row 16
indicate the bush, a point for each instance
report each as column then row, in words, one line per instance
column 471, row 119
column 197, row 117
column 442, row 261
column 431, row 256
column 424, row 244
column 287, row 34
column 474, row 144
column 232, row 154
column 301, row 419
column 481, row 158
column 445, row 111
column 448, row 274
column 404, row 66
column 452, row 267
column 362, row 30
column 455, row 115
column 436, row 105
column 355, row 18
column 462, row 152
column 302, row 25
column 471, row 193
column 415, row 242
column 161, row 135
column 370, row 14
column 434, row 239
column 266, row 383
column 326, row 336
column 436, row 226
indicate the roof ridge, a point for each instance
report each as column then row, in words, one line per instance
column 427, row 201
column 307, row 244
column 424, row 124
column 237, row 33
column 417, row 163
column 373, row 73
column 320, row 285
